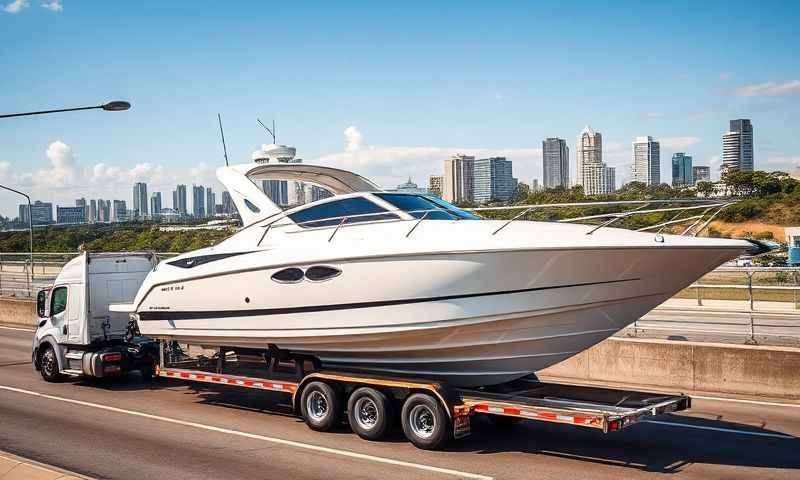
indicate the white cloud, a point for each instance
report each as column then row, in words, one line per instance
column 63, row 171
column 5, row 171
column 16, row 6
column 679, row 143
column 769, row 89
column 53, row 6
column 391, row 165
column 355, row 140
column 202, row 174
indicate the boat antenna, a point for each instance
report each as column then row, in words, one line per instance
column 222, row 134
column 271, row 132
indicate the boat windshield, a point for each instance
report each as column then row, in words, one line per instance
column 431, row 208
column 346, row 210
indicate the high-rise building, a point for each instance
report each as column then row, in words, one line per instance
column 737, row 146
column 119, row 213
column 701, row 173
column 101, row 204
column 435, row 185
column 493, row 180
column 682, row 170
column 155, row 204
column 646, row 161
column 81, row 202
column 41, row 213
column 210, row 202
column 92, row 211
column 535, row 187
column 276, row 190
column 227, row 203
column 70, row 215
column 588, row 150
column 555, row 163
column 410, row 187
column 140, row 199
column 458, row 180
column 179, row 200
column 598, row 179
column 198, row 201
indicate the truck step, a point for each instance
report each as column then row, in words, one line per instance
column 74, row 355
column 72, row 371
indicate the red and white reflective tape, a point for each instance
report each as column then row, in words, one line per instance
column 537, row 415
column 222, row 380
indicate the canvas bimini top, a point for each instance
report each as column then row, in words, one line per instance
column 253, row 204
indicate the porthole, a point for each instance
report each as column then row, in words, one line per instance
column 320, row 272
column 288, row 275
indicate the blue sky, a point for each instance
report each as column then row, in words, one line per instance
column 416, row 81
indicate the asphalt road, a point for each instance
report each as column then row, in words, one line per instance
column 168, row 429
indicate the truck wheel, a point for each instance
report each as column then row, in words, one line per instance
column 425, row 422
column 321, row 406
column 48, row 365
column 369, row 413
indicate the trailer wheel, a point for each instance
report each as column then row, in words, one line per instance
column 369, row 413
column 425, row 422
column 320, row 405
column 48, row 365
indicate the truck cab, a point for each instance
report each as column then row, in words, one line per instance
column 77, row 334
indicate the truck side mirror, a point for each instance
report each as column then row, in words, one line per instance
column 41, row 301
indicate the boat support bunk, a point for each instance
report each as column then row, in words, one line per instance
column 431, row 413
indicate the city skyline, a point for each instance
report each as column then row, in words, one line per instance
column 367, row 118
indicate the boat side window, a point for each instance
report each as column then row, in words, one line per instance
column 462, row 214
column 418, row 205
column 58, row 300
column 357, row 209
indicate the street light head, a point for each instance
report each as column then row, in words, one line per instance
column 116, row 106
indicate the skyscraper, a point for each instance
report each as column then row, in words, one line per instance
column 458, row 181
column 140, row 199
column 682, row 170
column 737, row 146
column 179, row 200
column 276, row 190
column 435, row 185
column 155, row 204
column 41, row 213
column 701, row 173
column 555, row 163
column 81, row 202
column 119, row 211
column 210, row 202
column 646, row 161
column 227, row 203
column 198, row 201
column 588, row 150
column 492, row 180
column 92, row 211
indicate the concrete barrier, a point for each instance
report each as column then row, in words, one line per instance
column 708, row 367
column 21, row 312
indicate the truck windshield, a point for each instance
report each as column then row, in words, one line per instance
column 431, row 208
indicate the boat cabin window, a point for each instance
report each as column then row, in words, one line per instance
column 418, row 205
column 356, row 209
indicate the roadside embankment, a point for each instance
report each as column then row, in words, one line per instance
column 13, row 467
column 19, row 312
column 676, row 365
column 698, row 366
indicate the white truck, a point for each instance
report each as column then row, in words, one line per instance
column 79, row 335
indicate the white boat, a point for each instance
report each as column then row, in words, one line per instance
column 410, row 285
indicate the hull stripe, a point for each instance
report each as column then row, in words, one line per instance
column 199, row 315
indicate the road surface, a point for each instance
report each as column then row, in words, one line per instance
column 168, row 429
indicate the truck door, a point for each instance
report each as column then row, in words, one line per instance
column 58, row 312
column 74, row 314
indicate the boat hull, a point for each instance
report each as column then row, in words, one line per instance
column 470, row 319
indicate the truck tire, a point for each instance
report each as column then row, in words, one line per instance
column 48, row 365
column 425, row 423
column 369, row 413
column 321, row 406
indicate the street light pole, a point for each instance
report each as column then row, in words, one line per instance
column 30, row 224
column 115, row 106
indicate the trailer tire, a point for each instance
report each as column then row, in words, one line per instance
column 369, row 413
column 321, row 406
column 48, row 365
column 425, row 422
